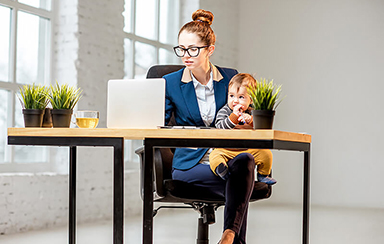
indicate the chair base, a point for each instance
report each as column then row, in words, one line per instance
column 207, row 217
column 202, row 232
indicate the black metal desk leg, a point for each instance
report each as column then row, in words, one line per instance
column 306, row 198
column 148, row 194
column 72, row 195
column 118, row 192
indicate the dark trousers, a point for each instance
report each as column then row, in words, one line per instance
column 237, row 190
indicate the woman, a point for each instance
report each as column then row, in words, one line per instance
column 194, row 95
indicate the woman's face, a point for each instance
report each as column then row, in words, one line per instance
column 187, row 40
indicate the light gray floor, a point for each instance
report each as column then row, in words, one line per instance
column 267, row 224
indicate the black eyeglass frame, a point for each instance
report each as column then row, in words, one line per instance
column 187, row 50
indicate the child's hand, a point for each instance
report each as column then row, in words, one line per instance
column 238, row 109
column 247, row 118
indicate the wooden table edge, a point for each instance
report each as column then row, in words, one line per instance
column 140, row 134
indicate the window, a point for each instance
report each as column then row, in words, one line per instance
column 151, row 28
column 25, row 30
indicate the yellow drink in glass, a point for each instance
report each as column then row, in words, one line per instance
column 90, row 123
column 87, row 119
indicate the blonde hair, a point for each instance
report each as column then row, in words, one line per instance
column 201, row 26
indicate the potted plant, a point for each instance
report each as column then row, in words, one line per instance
column 34, row 100
column 63, row 99
column 265, row 99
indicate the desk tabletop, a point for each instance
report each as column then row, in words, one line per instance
column 141, row 134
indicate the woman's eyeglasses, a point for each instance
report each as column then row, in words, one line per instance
column 192, row 51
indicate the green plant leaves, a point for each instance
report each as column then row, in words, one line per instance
column 265, row 96
column 60, row 96
column 64, row 96
column 33, row 96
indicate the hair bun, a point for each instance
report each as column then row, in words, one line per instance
column 203, row 16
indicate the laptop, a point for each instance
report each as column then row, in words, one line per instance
column 136, row 103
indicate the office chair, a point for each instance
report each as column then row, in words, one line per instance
column 168, row 190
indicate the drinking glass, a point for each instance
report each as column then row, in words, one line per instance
column 87, row 119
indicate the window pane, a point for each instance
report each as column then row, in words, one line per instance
column 5, row 17
column 167, row 57
column 24, row 154
column 32, row 48
column 44, row 4
column 145, row 57
column 169, row 25
column 127, row 15
column 3, row 123
column 146, row 19
column 128, row 59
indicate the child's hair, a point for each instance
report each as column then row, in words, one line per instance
column 201, row 26
column 242, row 79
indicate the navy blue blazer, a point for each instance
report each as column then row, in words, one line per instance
column 181, row 101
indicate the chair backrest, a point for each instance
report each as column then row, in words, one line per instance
column 158, row 71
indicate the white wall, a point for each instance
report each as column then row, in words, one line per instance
column 329, row 57
column 224, row 25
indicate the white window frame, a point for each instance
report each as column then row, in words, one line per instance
column 12, row 86
column 135, row 38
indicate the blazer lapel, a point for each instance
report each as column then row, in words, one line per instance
column 190, row 100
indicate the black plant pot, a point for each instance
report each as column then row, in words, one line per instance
column 33, row 117
column 47, row 119
column 61, row 118
column 263, row 119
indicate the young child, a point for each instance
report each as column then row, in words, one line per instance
column 236, row 113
